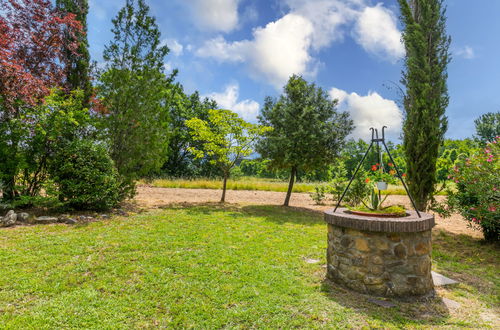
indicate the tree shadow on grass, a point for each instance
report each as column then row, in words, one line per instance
column 274, row 213
column 423, row 311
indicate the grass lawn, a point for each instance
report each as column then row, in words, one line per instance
column 252, row 183
column 212, row 267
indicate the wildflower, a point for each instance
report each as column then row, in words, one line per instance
column 489, row 160
column 474, row 219
column 404, row 175
column 374, row 167
column 367, row 180
column 492, row 209
column 378, row 164
column 391, row 164
column 472, row 208
column 392, row 172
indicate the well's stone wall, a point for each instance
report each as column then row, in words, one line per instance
column 380, row 261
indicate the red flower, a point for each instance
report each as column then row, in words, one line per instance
column 367, row 180
column 404, row 175
column 374, row 167
column 391, row 164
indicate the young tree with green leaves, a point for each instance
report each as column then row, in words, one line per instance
column 135, row 88
column 308, row 131
column 426, row 94
column 224, row 138
column 77, row 63
column 180, row 162
column 487, row 127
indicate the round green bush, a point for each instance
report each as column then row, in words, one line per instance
column 85, row 176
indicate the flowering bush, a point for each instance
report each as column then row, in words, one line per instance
column 477, row 196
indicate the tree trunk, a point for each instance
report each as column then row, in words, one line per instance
column 223, row 198
column 290, row 185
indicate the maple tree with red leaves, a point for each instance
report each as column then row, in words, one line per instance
column 32, row 50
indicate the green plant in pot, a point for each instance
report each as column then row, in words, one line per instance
column 373, row 205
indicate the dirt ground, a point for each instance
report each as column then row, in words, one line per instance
column 152, row 197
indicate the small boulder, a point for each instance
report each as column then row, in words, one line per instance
column 23, row 217
column 9, row 219
column 46, row 219
column 71, row 221
column 105, row 216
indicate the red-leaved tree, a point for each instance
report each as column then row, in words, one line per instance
column 32, row 46
column 31, row 50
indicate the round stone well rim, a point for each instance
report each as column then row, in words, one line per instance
column 409, row 224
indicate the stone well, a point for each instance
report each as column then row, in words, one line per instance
column 380, row 256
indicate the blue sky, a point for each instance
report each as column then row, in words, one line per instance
column 239, row 51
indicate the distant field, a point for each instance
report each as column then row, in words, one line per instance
column 252, row 183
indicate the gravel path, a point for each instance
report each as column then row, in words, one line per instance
column 152, row 197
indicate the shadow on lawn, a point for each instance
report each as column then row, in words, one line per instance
column 275, row 213
column 425, row 311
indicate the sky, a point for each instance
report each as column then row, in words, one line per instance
column 240, row 51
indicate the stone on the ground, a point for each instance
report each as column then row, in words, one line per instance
column 311, row 261
column 23, row 217
column 46, row 219
column 105, row 216
column 9, row 219
column 440, row 280
column 71, row 221
column 451, row 304
column 382, row 303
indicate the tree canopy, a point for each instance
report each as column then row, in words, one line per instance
column 224, row 138
column 308, row 131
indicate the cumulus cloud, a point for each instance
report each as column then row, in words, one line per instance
column 466, row 52
column 175, row 47
column 277, row 50
column 216, row 15
column 287, row 46
column 376, row 31
column 371, row 110
column 228, row 99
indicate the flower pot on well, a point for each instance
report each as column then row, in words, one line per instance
column 382, row 185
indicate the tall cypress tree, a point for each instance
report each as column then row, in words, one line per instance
column 426, row 96
column 77, row 65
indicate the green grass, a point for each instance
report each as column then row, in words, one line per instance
column 252, row 183
column 213, row 267
column 246, row 183
column 396, row 210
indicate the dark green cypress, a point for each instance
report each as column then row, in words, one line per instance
column 77, row 65
column 426, row 96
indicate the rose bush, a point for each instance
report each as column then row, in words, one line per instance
column 477, row 195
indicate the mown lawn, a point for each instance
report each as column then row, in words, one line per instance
column 212, row 267
column 259, row 184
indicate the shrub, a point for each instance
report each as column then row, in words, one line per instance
column 85, row 176
column 319, row 194
column 477, row 194
column 338, row 182
column 360, row 189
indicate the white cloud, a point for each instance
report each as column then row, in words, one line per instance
column 247, row 109
column 223, row 51
column 216, row 15
column 287, row 46
column 466, row 52
column 327, row 17
column 371, row 110
column 175, row 47
column 376, row 31
column 277, row 50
